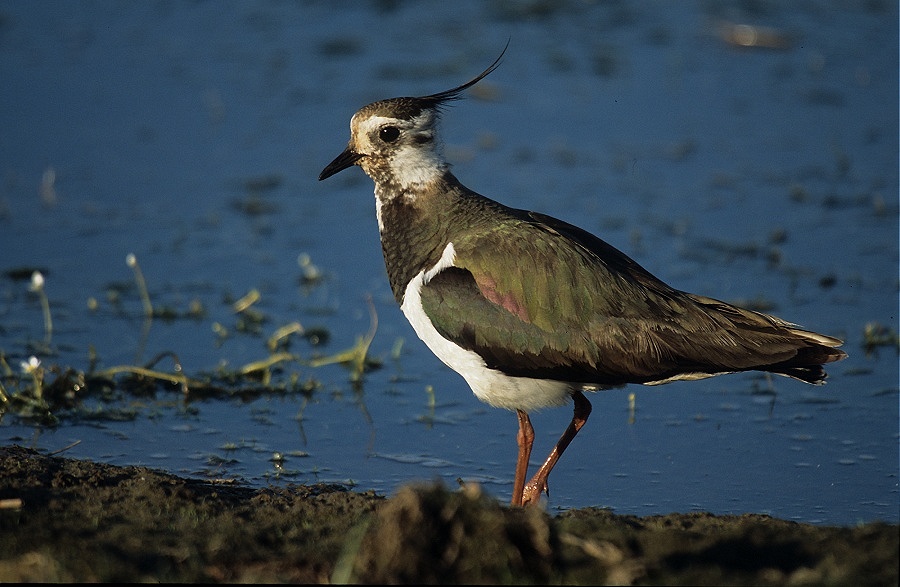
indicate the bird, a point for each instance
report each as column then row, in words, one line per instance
column 533, row 311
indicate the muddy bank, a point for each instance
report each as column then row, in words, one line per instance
column 73, row 520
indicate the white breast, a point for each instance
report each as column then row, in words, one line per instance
column 489, row 385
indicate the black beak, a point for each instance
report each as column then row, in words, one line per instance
column 346, row 159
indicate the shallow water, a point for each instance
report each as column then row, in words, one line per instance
column 192, row 134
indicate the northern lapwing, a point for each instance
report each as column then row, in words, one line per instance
column 533, row 311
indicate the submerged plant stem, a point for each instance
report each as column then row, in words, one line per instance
column 170, row 377
column 356, row 355
column 131, row 261
column 48, row 321
column 266, row 363
column 37, row 286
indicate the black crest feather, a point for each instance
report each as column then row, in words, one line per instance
column 435, row 100
column 409, row 107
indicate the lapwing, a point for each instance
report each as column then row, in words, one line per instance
column 532, row 311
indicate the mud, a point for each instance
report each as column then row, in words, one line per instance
column 72, row 520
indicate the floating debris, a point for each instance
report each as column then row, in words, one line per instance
column 747, row 35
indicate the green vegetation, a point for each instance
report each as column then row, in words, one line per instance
column 44, row 393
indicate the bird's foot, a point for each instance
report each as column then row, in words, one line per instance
column 531, row 495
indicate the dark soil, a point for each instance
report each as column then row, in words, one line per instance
column 73, row 520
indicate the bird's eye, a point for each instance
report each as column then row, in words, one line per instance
column 389, row 134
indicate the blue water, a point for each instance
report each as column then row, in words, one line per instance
column 745, row 174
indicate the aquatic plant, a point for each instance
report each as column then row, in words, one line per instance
column 42, row 393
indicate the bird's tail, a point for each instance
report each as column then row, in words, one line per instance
column 807, row 364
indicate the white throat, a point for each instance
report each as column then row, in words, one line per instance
column 414, row 167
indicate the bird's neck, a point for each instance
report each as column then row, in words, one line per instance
column 416, row 225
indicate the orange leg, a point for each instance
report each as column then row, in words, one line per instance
column 532, row 491
column 525, row 439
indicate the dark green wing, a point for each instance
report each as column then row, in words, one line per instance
column 537, row 297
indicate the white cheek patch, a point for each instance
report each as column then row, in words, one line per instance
column 416, row 166
column 412, row 165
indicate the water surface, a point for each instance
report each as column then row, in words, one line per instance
column 191, row 135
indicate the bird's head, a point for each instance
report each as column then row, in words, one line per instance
column 394, row 140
